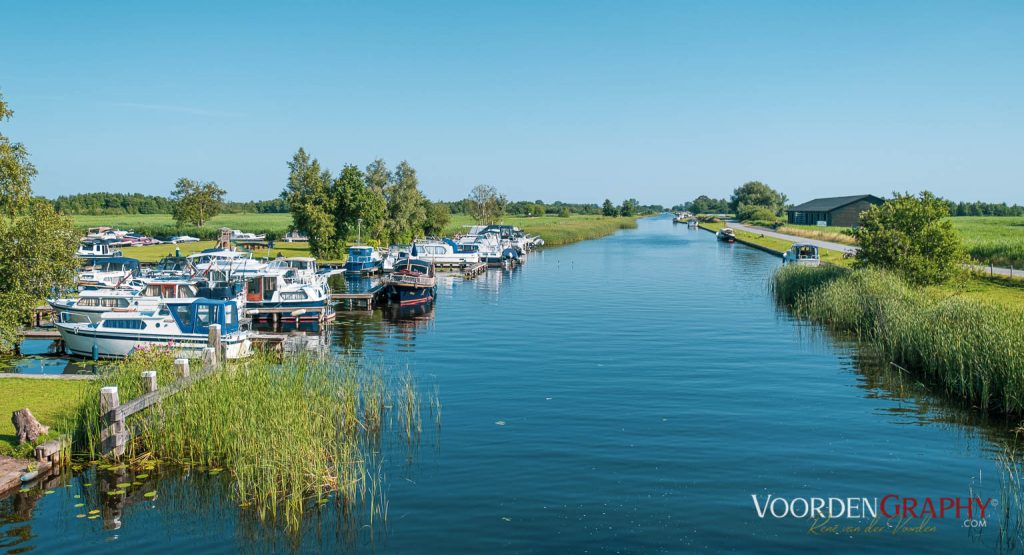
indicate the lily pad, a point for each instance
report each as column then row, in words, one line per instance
column 123, row 485
column 86, row 485
column 94, row 512
column 78, row 496
column 141, row 476
column 80, row 516
column 48, row 492
column 79, row 504
column 149, row 494
column 93, row 517
column 24, row 490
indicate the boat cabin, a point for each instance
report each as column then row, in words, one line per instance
column 97, row 248
column 115, row 264
column 803, row 254
column 197, row 316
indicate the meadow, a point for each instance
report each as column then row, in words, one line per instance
column 47, row 399
column 995, row 239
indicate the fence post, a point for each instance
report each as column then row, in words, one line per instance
column 149, row 381
column 991, row 269
column 112, row 434
column 181, row 366
column 209, row 357
column 213, row 340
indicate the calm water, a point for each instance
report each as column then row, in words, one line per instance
column 622, row 395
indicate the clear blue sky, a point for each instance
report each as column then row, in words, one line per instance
column 549, row 100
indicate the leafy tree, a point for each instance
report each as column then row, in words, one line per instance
column 564, row 212
column 486, row 204
column 378, row 177
column 753, row 212
column 630, row 207
column 609, row 209
column 310, row 194
column 406, row 211
column 356, row 201
column 438, row 217
column 37, row 244
column 755, row 193
column 707, row 205
column 911, row 236
column 195, row 203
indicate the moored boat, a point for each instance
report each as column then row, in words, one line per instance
column 413, row 282
column 363, row 259
column 182, row 326
column 802, row 254
column 108, row 273
column 726, row 235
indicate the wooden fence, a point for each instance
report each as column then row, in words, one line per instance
column 115, row 435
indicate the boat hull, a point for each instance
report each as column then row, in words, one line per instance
column 410, row 296
column 89, row 342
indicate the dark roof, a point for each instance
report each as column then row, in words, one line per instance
column 827, row 204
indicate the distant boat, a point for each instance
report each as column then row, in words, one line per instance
column 413, row 281
column 97, row 248
column 692, row 223
column 108, row 273
column 802, row 254
column 182, row 327
column 363, row 259
column 726, row 235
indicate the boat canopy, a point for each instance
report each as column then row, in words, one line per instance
column 197, row 316
column 117, row 264
column 416, row 265
column 172, row 264
column 803, row 251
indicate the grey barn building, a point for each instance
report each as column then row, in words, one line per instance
column 837, row 211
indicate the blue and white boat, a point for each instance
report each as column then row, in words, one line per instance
column 291, row 288
column 181, row 326
column 363, row 259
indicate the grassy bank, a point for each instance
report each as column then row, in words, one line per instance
column 164, row 225
column 779, row 246
column 969, row 349
column 49, row 401
column 554, row 229
column 831, row 234
column 291, row 435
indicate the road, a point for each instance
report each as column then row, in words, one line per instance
column 989, row 270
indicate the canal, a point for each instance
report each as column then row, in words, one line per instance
column 629, row 394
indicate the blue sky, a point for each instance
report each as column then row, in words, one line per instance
column 553, row 100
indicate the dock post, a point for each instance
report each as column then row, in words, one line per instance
column 181, row 366
column 209, row 357
column 149, row 381
column 213, row 341
column 112, row 434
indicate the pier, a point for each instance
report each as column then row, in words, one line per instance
column 363, row 300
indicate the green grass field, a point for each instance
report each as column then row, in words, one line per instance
column 995, row 239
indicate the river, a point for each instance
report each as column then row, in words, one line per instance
column 629, row 394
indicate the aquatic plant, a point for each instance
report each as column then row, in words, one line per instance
column 290, row 434
column 969, row 349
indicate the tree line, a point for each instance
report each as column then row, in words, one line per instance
column 98, row 204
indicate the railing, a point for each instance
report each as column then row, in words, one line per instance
column 407, row 279
column 115, row 435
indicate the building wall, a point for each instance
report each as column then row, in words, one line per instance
column 849, row 215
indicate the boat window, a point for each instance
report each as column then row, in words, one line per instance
column 88, row 301
column 203, row 317
column 124, row 324
column 294, row 296
column 184, row 315
column 229, row 315
column 109, row 303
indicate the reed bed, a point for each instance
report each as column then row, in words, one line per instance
column 971, row 350
column 291, row 434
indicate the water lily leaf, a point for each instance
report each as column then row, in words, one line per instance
column 136, row 483
column 80, row 516
column 94, row 512
column 79, row 504
column 93, row 517
column 86, row 485
column 48, row 492
column 149, row 494
column 78, row 496
column 123, row 485
column 24, row 490
column 141, row 476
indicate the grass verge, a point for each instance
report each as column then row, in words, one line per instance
column 49, row 401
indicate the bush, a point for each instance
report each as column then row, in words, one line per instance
column 752, row 212
column 912, row 236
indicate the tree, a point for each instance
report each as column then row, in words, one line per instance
column 630, row 207
column 911, row 236
column 406, row 207
column 355, row 201
column 312, row 201
column 755, row 193
column 438, row 217
column 378, row 177
column 195, row 203
column 707, row 205
column 37, row 244
column 486, row 204
column 564, row 212
column 608, row 209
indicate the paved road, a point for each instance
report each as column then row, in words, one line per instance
column 996, row 270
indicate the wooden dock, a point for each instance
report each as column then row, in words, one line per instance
column 364, row 300
column 36, row 333
column 473, row 270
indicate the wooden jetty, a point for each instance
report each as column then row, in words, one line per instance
column 363, row 300
column 473, row 270
column 36, row 333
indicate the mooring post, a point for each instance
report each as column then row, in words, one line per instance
column 112, row 435
column 181, row 367
column 213, row 340
column 209, row 357
column 149, row 381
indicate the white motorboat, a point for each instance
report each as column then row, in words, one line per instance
column 108, row 273
column 182, row 326
column 802, row 254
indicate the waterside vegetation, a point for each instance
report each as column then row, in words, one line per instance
column 971, row 350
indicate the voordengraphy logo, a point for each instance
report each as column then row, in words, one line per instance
column 971, row 511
